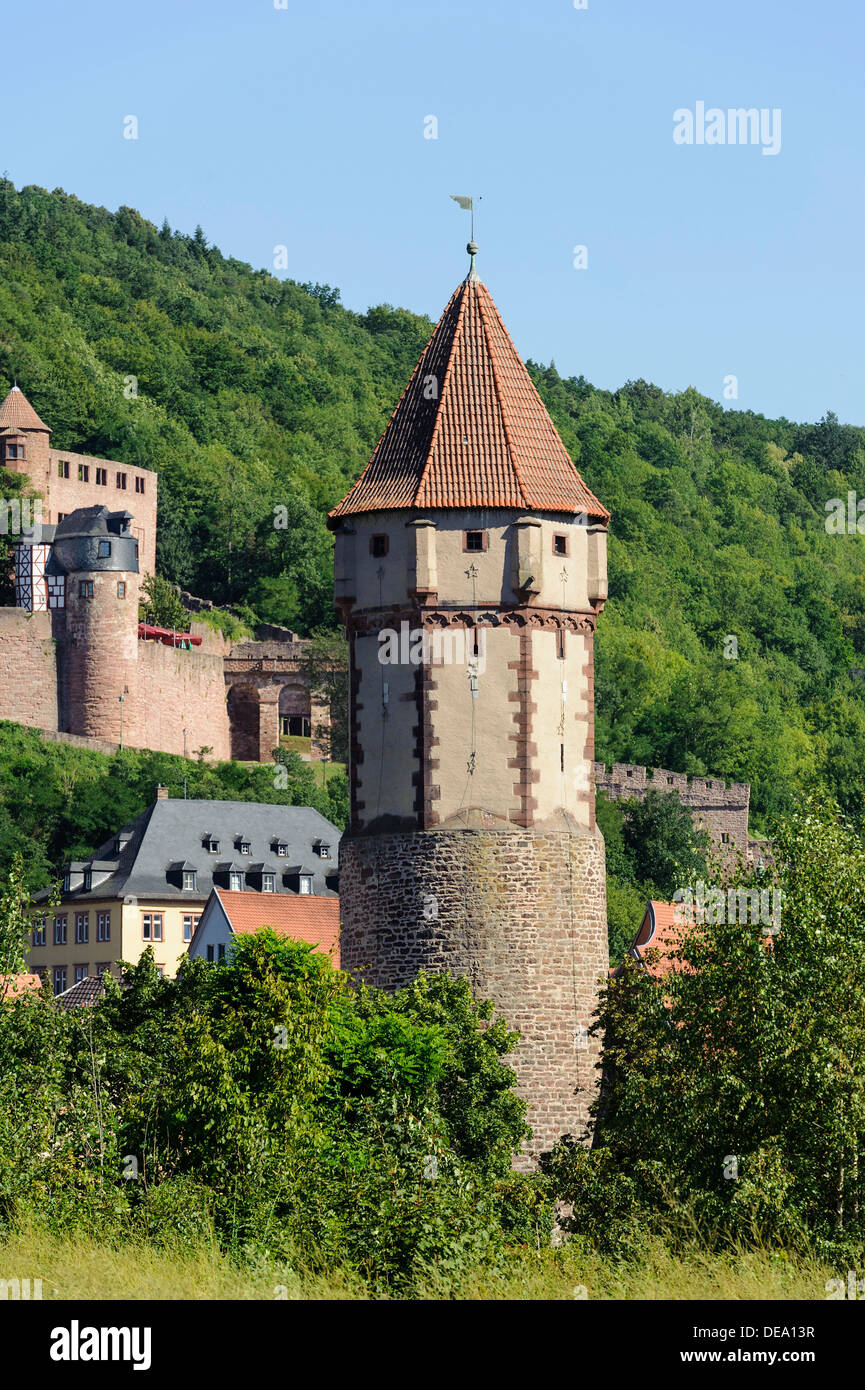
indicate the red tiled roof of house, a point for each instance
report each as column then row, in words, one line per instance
column 16, row 412
column 470, row 429
column 302, row 916
column 23, row 982
column 661, row 930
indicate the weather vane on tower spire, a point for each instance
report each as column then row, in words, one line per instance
column 467, row 203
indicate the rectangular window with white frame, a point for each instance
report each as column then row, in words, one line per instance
column 190, row 922
column 151, row 926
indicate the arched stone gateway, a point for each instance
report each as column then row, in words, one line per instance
column 273, row 673
column 244, row 718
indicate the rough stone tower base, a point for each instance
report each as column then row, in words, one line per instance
column 520, row 912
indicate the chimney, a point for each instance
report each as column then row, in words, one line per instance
column 161, row 793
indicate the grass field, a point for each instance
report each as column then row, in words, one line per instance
column 77, row 1267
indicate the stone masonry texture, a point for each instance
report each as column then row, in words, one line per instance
column 720, row 808
column 521, row 913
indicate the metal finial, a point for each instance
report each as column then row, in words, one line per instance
column 467, row 202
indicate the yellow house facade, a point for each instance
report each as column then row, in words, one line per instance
column 147, row 886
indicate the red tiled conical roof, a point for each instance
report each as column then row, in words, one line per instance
column 16, row 412
column 470, row 429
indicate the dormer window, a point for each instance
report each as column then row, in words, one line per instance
column 88, row 880
column 244, row 847
column 211, row 845
column 281, row 849
column 306, row 883
column 67, row 881
column 189, row 880
column 235, row 882
column 268, row 883
column 323, row 850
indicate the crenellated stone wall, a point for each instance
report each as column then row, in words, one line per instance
column 720, row 807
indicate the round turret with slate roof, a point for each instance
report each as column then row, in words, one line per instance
column 98, row 554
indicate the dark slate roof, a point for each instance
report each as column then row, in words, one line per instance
column 87, row 993
column 172, row 831
column 77, row 538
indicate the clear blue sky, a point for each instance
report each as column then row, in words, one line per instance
column 304, row 126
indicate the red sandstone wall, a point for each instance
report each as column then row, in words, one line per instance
column 180, row 690
column 28, row 669
column 66, row 494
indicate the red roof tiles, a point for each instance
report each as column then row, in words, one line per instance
column 22, row 982
column 302, row 916
column 661, row 930
column 16, row 412
column 470, row 429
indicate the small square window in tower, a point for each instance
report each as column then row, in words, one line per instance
column 560, row 544
column 379, row 546
column 474, row 540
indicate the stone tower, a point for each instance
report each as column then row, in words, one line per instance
column 98, row 555
column 470, row 572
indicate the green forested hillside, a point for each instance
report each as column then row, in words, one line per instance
column 255, row 393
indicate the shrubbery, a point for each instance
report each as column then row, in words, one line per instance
column 267, row 1106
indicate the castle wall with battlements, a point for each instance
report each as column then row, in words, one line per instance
column 50, row 668
column 720, row 807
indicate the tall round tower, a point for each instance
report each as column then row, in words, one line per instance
column 98, row 554
column 470, row 572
